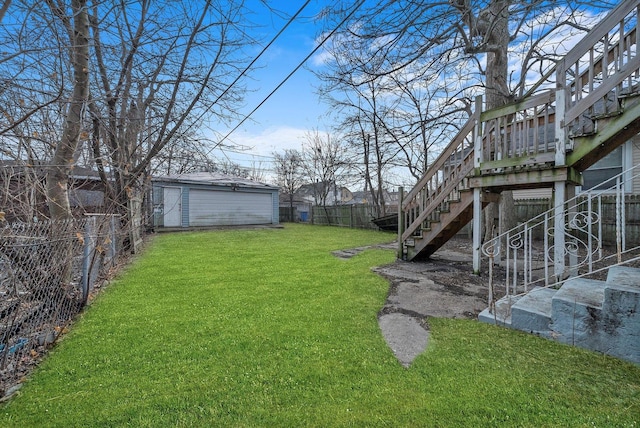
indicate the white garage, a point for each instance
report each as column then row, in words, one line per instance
column 211, row 199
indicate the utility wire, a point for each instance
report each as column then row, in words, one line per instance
column 248, row 67
column 324, row 40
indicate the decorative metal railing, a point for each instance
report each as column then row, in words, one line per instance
column 527, row 252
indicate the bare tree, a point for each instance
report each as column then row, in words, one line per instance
column 289, row 174
column 162, row 69
column 326, row 165
column 466, row 41
column 362, row 113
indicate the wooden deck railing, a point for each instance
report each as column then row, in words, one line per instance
column 519, row 134
column 603, row 79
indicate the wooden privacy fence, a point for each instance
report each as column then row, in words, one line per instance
column 359, row 216
column 354, row 216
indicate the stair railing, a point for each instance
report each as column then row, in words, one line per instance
column 442, row 183
column 591, row 79
column 601, row 69
column 595, row 239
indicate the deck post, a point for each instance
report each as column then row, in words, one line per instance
column 477, row 230
column 560, row 187
column 400, row 223
column 477, row 191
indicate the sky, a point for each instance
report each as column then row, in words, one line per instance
column 282, row 121
column 295, row 109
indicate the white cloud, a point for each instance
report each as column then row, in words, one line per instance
column 269, row 140
column 272, row 139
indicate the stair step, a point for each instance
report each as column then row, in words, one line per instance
column 607, row 115
column 577, row 310
column 532, row 313
column 623, row 276
column 621, row 326
column 502, row 315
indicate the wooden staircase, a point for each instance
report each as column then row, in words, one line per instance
column 546, row 138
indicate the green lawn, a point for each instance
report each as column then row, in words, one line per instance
column 267, row 328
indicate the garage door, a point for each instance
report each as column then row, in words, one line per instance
column 218, row 208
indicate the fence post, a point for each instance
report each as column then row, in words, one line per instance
column 89, row 228
column 351, row 216
column 113, row 240
column 400, row 223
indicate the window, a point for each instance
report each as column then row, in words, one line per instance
column 595, row 178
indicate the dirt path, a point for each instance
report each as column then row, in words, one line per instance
column 442, row 287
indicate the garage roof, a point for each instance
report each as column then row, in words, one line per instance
column 214, row 178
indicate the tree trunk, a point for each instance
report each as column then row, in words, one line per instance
column 62, row 161
column 497, row 95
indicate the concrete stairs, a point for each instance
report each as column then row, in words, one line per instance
column 602, row 316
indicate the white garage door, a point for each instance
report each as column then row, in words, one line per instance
column 172, row 206
column 217, row 208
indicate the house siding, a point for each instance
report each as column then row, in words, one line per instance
column 635, row 149
column 275, row 206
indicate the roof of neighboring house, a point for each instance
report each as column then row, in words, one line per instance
column 285, row 198
column 213, row 178
column 77, row 172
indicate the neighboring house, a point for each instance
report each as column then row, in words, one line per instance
column 313, row 193
column 364, row 198
column 301, row 208
column 212, row 199
column 22, row 191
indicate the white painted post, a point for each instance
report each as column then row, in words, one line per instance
column 477, row 230
column 559, row 186
column 400, row 223
column 477, row 191
column 572, row 211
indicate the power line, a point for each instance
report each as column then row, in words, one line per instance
column 248, row 67
column 324, row 40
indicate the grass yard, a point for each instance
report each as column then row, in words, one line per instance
column 266, row 328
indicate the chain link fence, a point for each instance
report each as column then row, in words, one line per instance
column 47, row 272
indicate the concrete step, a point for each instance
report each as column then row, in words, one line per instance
column 532, row 313
column 577, row 311
column 502, row 314
column 624, row 276
column 622, row 292
column 621, row 326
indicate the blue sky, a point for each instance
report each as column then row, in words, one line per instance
column 295, row 108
